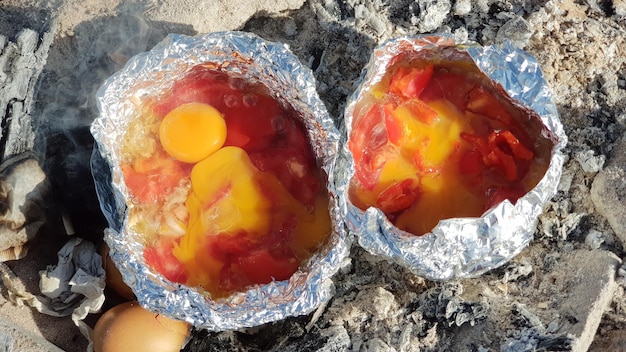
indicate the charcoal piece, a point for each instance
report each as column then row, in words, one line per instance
column 21, row 63
column 23, row 184
column 443, row 304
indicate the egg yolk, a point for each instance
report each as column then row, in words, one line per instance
column 253, row 204
column 231, row 197
column 192, row 132
column 228, row 187
column 438, row 145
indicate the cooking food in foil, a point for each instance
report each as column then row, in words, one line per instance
column 452, row 152
column 222, row 159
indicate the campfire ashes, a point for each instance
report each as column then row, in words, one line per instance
column 564, row 292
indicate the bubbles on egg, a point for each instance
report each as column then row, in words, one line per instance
column 279, row 123
column 250, row 100
column 231, row 100
column 236, row 83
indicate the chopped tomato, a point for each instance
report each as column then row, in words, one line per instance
column 368, row 170
column 368, row 137
column 226, row 246
column 448, row 86
column 260, row 266
column 421, row 111
column 160, row 257
column 399, row 196
column 201, row 85
column 504, row 162
column 151, row 179
column 250, row 116
column 506, row 139
column 294, row 168
column 423, row 165
column 368, row 132
column 478, row 142
column 503, row 151
column 403, row 124
column 410, row 82
column 393, row 125
column 247, row 263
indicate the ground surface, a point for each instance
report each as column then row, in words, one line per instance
column 561, row 293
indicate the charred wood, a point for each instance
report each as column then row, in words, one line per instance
column 23, row 184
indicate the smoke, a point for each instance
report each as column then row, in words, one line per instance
column 78, row 64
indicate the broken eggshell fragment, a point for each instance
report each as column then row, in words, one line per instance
column 149, row 75
column 457, row 247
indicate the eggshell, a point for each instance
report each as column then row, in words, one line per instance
column 113, row 276
column 129, row 327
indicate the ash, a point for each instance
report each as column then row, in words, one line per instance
column 555, row 294
column 564, row 292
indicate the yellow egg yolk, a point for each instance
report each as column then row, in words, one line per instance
column 434, row 141
column 230, row 196
column 192, row 132
column 228, row 189
column 422, row 151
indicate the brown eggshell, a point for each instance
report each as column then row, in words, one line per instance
column 113, row 276
column 129, row 327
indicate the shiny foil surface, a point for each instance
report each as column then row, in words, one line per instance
column 150, row 74
column 458, row 247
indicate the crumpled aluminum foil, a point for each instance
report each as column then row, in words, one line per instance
column 153, row 72
column 459, row 247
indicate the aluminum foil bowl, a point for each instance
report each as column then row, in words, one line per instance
column 153, row 72
column 459, row 247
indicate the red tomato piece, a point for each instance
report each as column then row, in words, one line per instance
column 449, row 86
column 401, row 126
column 510, row 141
column 295, row 169
column 504, row 151
column 395, row 130
column 260, row 266
column 493, row 156
column 480, row 144
column 410, row 82
column 247, row 262
column 201, row 85
column 368, row 132
column 504, row 162
column 421, row 111
column 424, row 166
column 367, row 139
column 161, row 258
column 399, row 196
column 368, row 170
column 151, row 179
column 224, row 247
